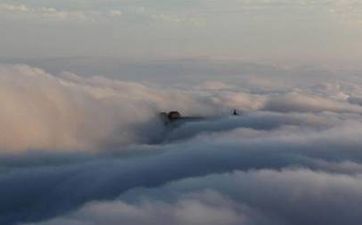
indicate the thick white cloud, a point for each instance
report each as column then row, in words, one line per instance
column 68, row 112
column 41, row 111
column 292, row 156
column 254, row 197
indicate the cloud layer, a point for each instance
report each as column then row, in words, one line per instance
column 41, row 111
column 254, row 197
column 76, row 150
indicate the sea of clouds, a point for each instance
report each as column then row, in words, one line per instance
column 93, row 151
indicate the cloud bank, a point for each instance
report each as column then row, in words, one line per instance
column 42, row 111
column 76, row 150
column 254, row 197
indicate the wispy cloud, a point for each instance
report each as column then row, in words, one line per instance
column 23, row 10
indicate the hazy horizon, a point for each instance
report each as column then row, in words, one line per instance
column 308, row 31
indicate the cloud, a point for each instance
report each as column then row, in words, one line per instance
column 54, row 14
column 93, row 13
column 199, row 208
column 14, row 8
column 254, row 197
column 92, row 150
column 42, row 111
column 299, row 102
column 104, row 177
column 68, row 112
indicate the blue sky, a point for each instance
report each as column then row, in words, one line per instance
column 272, row 30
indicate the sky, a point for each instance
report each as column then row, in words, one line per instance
column 83, row 84
column 306, row 31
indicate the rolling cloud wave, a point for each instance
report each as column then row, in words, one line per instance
column 78, row 150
